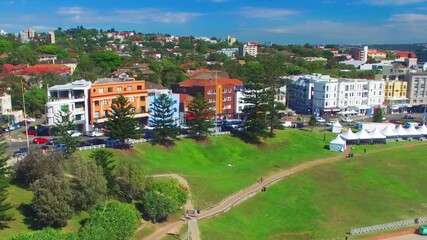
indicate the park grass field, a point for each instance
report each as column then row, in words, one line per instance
column 205, row 165
column 326, row 202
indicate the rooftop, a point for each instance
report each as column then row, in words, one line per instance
column 210, row 82
column 73, row 85
column 150, row 85
column 114, row 80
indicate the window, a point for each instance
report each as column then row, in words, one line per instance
column 105, row 114
column 143, row 109
column 132, row 99
column 129, row 88
column 96, row 115
column 79, row 117
column 226, row 99
column 119, row 89
column 110, row 89
column 139, row 87
column 210, row 92
column 94, row 90
column 105, row 102
column 101, row 90
column 142, row 98
column 132, row 110
column 96, row 103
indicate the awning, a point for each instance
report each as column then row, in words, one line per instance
column 336, row 109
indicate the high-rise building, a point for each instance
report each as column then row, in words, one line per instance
column 51, row 37
column 250, row 48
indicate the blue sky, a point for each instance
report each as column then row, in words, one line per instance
column 279, row 21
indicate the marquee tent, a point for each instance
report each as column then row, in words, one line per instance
column 336, row 127
column 423, row 130
column 389, row 132
column 377, row 136
column 363, row 137
column 338, row 144
column 412, row 132
column 400, row 132
column 349, row 136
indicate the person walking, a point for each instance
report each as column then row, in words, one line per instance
column 261, row 179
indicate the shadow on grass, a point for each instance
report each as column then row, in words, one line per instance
column 29, row 216
column 3, row 225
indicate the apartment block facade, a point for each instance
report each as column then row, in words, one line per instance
column 417, row 90
column 103, row 92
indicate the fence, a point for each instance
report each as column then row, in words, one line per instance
column 386, row 226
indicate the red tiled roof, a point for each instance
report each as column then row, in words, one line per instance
column 405, row 55
column 210, row 82
column 201, row 70
column 43, row 68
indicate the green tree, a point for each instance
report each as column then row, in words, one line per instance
column 46, row 233
column 88, row 184
column 163, row 198
column 64, row 124
column 35, row 165
column 23, row 55
column 131, row 181
column 378, row 115
column 200, row 120
column 110, row 220
column 52, row 202
column 121, row 124
column 107, row 60
column 4, row 184
column 168, row 71
column 255, row 95
column 15, row 86
column 35, row 100
column 312, row 122
column 165, row 129
column 5, row 46
column 104, row 159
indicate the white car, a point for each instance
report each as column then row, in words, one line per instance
column 330, row 123
column 74, row 133
column 287, row 124
column 320, row 120
column 346, row 119
column 95, row 134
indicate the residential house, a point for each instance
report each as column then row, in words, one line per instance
column 72, row 98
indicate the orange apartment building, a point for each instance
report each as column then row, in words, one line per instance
column 103, row 92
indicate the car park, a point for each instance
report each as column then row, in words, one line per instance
column 40, row 140
column 346, row 119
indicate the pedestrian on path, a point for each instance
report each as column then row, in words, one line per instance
column 261, row 179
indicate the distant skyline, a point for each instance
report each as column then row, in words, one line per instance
column 278, row 21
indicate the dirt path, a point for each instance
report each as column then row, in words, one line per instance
column 251, row 191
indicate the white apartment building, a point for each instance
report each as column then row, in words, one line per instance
column 73, row 98
column 250, row 48
column 348, row 96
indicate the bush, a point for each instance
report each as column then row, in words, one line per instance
column 110, row 220
column 47, row 233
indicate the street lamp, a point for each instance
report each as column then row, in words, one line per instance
column 25, row 115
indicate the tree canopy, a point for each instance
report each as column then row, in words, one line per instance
column 162, row 119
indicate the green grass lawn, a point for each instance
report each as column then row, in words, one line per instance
column 206, row 168
column 326, row 202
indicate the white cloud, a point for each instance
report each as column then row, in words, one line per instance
column 78, row 14
column 338, row 32
column 266, row 12
column 391, row 2
column 408, row 17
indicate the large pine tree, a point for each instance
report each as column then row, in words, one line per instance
column 165, row 129
column 121, row 124
column 199, row 117
column 256, row 98
column 4, row 183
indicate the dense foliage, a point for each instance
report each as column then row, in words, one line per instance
column 199, row 117
column 46, row 233
column 4, row 184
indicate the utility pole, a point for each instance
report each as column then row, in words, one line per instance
column 25, row 115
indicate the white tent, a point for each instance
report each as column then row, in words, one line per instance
column 411, row 131
column 376, row 134
column 348, row 135
column 336, row 127
column 423, row 130
column 400, row 131
column 338, row 144
column 363, row 135
column 388, row 132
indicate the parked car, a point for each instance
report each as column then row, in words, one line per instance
column 111, row 142
column 409, row 124
column 320, row 120
column 60, row 147
column 409, row 116
column 44, row 148
column 346, row 119
column 287, row 124
column 53, row 141
column 74, row 133
column 332, row 122
column 39, row 140
column 95, row 134
column 21, row 152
